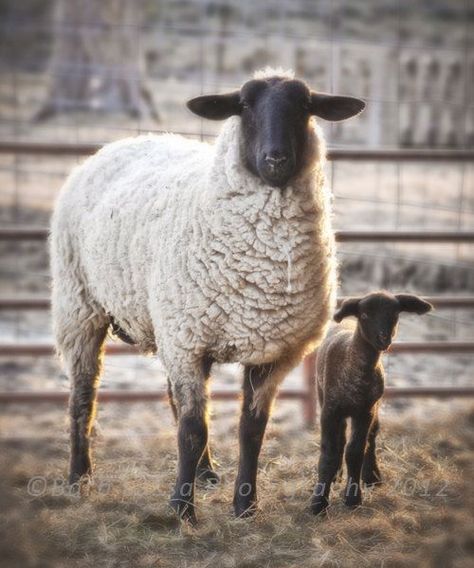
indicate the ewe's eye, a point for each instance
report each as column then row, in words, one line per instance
column 364, row 316
column 245, row 105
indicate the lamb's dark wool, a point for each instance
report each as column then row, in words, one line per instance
column 350, row 380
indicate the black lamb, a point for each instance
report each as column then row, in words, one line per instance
column 350, row 381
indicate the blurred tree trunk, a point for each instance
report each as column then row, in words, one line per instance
column 95, row 64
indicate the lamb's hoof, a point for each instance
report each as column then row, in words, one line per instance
column 373, row 482
column 373, row 479
column 184, row 510
column 319, row 505
column 245, row 509
column 207, row 477
column 353, row 501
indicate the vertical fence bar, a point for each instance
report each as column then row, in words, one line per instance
column 311, row 399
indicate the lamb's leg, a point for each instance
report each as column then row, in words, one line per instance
column 82, row 354
column 190, row 397
column 354, row 457
column 205, row 470
column 370, row 469
column 259, row 389
column 332, row 425
column 342, row 445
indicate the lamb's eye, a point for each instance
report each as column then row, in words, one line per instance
column 245, row 105
column 364, row 316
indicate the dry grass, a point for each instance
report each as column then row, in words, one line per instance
column 422, row 516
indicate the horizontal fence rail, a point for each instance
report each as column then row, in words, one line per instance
column 41, row 303
column 348, row 154
column 19, row 233
column 61, row 397
column 308, row 395
column 47, row 349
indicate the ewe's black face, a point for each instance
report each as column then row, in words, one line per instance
column 275, row 115
column 378, row 315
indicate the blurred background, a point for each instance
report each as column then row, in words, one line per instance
column 77, row 74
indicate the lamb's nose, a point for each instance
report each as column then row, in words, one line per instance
column 385, row 339
column 275, row 159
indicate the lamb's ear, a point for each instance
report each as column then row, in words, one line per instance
column 216, row 107
column 414, row 304
column 335, row 107
column 349, row 307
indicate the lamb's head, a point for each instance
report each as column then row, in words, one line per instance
column 275, row 111
column 377, row 315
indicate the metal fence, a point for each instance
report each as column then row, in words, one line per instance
column 307, row 395
column 419, row 86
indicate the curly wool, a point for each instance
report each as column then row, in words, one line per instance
column 191, row 254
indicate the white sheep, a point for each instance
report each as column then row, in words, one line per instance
column 201, row 253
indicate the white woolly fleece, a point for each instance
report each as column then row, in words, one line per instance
column 191, row 254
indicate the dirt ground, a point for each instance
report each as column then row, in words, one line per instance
column 422, row 516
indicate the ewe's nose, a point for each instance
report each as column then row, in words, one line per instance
column 275, row 160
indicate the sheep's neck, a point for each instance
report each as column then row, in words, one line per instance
column 363, row 353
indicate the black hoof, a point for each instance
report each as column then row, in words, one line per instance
column 79, row 467
column 79, row 476
column 372, row 480
column 74, row 478
column 319, row 505
column 353, row 501
column 207, row 477
column 245, row 509
column 184, row 510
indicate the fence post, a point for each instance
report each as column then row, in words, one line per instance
column 310, row 400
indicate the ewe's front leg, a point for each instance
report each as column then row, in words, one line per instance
column 259, row 389
column 190, row 398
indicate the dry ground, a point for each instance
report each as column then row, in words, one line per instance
column 422, row 516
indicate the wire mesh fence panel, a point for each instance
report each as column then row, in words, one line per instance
column 75, row 76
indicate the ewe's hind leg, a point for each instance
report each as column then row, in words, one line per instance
column 81, row 348
column 370, row 469
column 190, row 399
column 205, row 470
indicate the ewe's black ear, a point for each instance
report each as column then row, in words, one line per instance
column 216, row 107
column 349, row 307
column 335, row 107
column 414, row 304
